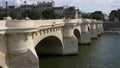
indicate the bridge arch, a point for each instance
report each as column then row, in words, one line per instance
column 89, row 30
column 50, row 45
column 77, row 35
column 1, row 67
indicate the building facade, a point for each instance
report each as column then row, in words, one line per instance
column 114, row 15
column 72, row 13
column 60, row 11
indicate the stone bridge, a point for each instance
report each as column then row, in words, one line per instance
column 22, row 40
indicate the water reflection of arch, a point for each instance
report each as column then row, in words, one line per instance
column 50, row 45
column 77, row 35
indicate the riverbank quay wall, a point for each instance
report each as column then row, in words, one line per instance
column 111, row 25
column 21, row 40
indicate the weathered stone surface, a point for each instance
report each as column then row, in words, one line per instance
column 85, row 38
column 23, row 60
column 70, row 45
column 3, row 52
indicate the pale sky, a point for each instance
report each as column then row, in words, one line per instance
column 84, row 5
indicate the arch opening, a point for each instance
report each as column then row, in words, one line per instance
column 77, row 34
column 1, row 67
column 89, row 29
column 49, row 46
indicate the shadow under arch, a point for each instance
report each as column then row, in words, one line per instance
column 50, row 45
column 1, row 67
column 77, row 34
column 89, row 29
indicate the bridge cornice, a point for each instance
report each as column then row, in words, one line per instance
column 86, row 21
column 71, row 22
column 43, row 24
column 100, row 22
column 21, row 26
column 51, row 26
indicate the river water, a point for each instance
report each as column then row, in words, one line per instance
column 103, row 52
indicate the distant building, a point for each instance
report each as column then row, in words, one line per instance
column 1, row 8
column 41, row 6
column 106, row 17
column 71, row 12
column 60, row 11
column 11, row 8
column 114, row 15
column 63, row 11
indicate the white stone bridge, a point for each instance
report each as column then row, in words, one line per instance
column 21, row 40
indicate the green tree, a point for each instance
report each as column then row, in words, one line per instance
column 24, row 13
column 13, row 14
column 86, row 15
column 32, row 14
column 49, row 14
column 2, row 14
column 98, row 15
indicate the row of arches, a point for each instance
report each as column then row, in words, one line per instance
column 53, row 45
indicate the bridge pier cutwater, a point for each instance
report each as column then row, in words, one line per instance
column 93, row 29
column 85, row 32
column 22, row 40
column 99, row 28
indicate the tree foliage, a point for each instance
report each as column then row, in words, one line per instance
column 98, row 15
column 2, row 14
column 14, row 14
column 86, row 15
column 49, row 14
column 32, row 14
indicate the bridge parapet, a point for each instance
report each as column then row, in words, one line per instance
column 2, row 26
column 69, row 22
column 20, row 24
column 41, row 24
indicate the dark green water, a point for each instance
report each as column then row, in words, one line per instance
column 103, row 52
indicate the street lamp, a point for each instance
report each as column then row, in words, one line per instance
column 25, row 8
column 7, row 11
column 26, row 15
column 7, row 14
column 7, row 8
